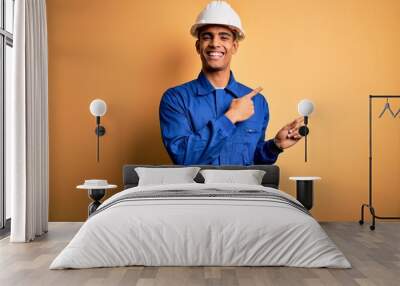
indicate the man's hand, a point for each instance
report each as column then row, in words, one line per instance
column 242, row 108
column 289, row 134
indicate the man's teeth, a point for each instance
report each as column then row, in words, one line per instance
column 215, row 54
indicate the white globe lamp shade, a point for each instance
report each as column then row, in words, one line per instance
column 305, row 107
column 98, row 107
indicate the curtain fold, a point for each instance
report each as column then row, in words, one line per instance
column 28, row 123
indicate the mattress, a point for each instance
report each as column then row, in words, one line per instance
column 201, row 225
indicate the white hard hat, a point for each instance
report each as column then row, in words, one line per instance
column 219, row 13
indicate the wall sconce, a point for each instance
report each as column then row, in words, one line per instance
column 98, row 108
column 305, row 108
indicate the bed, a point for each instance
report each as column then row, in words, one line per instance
column 197, row 224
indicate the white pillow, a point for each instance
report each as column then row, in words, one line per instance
column 164, row 176
column 249, row 177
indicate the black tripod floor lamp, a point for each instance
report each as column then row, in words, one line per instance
column 387, row 109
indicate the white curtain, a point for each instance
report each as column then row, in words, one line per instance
column 27, row 123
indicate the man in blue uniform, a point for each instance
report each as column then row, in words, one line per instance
column 215, row 120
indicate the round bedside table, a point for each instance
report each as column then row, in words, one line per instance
column 304, row 190
column 96, row 191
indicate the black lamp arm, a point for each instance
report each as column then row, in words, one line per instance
column 100, row 131
column 303, row 131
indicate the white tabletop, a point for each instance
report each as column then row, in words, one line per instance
column 304, row 178
column 88, row 187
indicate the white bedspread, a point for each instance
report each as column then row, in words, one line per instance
column 200, row 231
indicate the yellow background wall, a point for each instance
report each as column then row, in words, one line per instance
column 129, row 52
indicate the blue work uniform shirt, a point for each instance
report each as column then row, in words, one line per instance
column 195, row 130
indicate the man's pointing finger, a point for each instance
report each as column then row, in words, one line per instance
column 254, row 92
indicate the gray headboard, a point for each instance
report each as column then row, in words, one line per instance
column 271, row 177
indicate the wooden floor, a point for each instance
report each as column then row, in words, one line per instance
column 375, row 257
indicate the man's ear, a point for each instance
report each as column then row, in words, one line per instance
column 235, row 46
column 197, row 45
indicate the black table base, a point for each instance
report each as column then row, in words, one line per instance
column 96, row 195
column 305, row 193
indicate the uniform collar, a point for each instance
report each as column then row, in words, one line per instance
column 205, row 87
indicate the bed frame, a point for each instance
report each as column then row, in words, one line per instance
column 270, row 179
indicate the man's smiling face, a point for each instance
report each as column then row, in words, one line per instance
column 216, row 44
